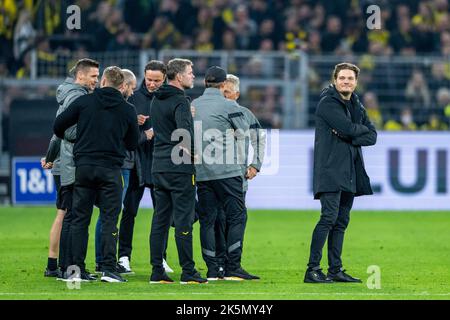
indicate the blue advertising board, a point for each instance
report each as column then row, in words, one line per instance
column 30, row 183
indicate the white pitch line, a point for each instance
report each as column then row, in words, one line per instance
column 81, row 292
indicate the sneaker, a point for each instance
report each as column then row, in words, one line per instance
column 341, row 276
column 52, row 273
column 108, row 276
column 162, row 278
column 316, row 276
column 166, row 267
column 125, row 263
column 193, row 278
column 84, row 276
column 239, row 275
column 121, row 270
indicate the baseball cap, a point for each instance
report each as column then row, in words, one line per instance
column 215, row 75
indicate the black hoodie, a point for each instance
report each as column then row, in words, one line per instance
column 106, row 127
column 170, row 111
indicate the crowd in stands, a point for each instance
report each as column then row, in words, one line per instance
column 408, row 28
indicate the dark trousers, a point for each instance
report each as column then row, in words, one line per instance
column 229, row 194
column 98, row 227
column 133, row 198
column 65, row 196
column 334, row 219
column 175, row 199
column 220, row 229
column 103, row 186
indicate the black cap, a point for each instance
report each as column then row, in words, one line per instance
column 215, row 75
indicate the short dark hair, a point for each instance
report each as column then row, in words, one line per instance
column 345, row 66
column 156, row 65
column 114, row 76
column 82, row 65
column 176, row 66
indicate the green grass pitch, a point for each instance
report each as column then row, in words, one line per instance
column 412, row 250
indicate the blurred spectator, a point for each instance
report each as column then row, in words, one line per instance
column 440, row 76
column 162, row 35
column 434, row 123
column 244, row 27
column 124, row 40
column 228, row 40
column 406, row 122
column 402, row 40
column 203, row 41
column 331, row 38
column 442, row 109
column 417, row 92
column 140, row 14
column 373, row 109
column 24, row 34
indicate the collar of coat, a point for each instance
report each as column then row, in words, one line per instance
column 213, row 92
column 144, row 90
column 333, row 93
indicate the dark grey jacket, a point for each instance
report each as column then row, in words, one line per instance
column 334, row 168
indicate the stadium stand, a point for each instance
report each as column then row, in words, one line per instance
column 282, row 50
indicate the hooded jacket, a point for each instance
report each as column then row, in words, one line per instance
column 106, row 127
column 338, row 159
column 141, row 99
column 60, row 152
column 170, row 110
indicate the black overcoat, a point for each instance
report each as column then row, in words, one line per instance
column 335, row 134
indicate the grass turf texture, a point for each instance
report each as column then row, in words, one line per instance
column 412, row 250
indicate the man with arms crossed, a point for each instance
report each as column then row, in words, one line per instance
column 342, row 128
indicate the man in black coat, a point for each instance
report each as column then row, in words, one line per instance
column 106, row 128
column 342, row 128
column 141, row 175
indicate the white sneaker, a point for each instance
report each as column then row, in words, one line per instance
column 166, row 267
column 125, row 263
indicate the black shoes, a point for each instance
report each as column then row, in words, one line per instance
column 52, row 273
column 161, row 278
column 192, row 278
column 316, row 276
column 83, row 276
column 341, row 276
column 239, row 275
column 122, row 270
column 112, row 277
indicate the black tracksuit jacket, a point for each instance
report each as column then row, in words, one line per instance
column 171, row 110
column 106, row 128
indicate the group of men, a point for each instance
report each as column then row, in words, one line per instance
column 107, row 150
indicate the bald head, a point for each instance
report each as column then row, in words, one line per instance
column 130, row 83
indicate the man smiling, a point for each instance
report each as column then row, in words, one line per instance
column 342, row 127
